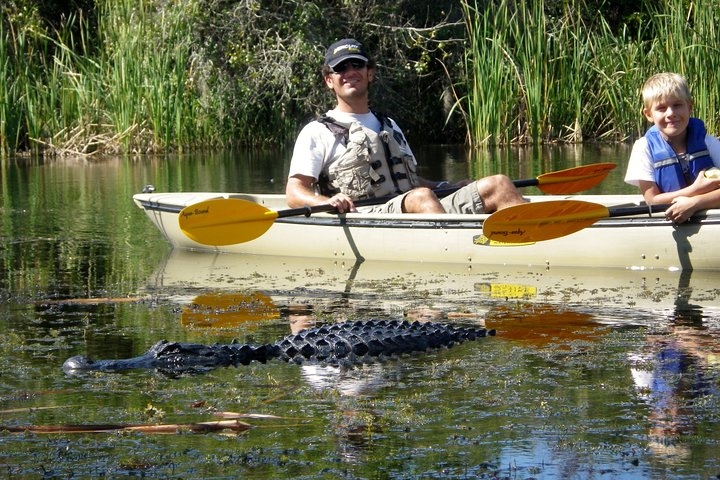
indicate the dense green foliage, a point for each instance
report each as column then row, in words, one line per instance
column 150, row 76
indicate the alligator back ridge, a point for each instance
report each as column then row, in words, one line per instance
column 347, row 343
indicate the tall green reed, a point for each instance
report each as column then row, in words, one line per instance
column 17, row 67
column 533, row 55
column 488, row 105
column 529, row 78
column 619, row 67
column 127, row 91
column 569, row 79
column 9, row 117
column 509, row 70
column 148, row 68
column 40, row 96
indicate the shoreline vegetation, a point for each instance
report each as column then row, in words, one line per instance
column 150, row 76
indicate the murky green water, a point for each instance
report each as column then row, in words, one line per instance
column 593, row 373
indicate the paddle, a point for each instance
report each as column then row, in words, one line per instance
column 534, row 222
column 570, row 180
column 226, row 221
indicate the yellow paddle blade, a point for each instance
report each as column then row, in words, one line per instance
column 225, row 221
column 228, row 310
column 534, row 222
column 575, row 179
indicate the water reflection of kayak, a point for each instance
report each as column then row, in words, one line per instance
column 397, row 287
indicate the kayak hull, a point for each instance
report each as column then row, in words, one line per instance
column 639, row 242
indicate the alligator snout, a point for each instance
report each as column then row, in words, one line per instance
column 78, row 362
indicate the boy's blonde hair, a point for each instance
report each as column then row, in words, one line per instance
column 665, row 85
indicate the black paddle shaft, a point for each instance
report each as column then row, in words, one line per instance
column 326, row 207
column 628, row 211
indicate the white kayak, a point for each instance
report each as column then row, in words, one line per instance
column 630, row 241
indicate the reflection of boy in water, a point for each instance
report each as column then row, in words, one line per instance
column 679, row 364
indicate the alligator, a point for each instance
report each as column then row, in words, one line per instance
column 344, row 344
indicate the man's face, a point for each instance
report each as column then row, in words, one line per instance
column 671, row 116
column 350, row 78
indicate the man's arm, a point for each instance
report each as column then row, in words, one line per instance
column 299, row 193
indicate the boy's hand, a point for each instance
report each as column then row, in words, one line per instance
column 707, row 181
column 681, row 210
column 712, row 173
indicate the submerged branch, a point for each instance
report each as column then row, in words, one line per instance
column 168, row 428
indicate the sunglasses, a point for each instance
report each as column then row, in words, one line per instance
column 355, row 63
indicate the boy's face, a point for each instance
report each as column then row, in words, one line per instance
column 671, row 116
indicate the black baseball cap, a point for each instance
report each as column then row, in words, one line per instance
column 343, row 50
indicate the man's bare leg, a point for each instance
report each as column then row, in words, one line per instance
column 498, row 192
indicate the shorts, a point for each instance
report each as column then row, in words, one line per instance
column 466, row 200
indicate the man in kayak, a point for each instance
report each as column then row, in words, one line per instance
column 352, row 153
column 673, row 162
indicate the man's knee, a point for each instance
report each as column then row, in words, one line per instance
column 498, row 192
column 499, row 181
column 422, row 193
column 421, row 200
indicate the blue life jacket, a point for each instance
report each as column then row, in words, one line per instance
column 669, row 172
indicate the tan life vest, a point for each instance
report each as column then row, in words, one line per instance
column 373, row 165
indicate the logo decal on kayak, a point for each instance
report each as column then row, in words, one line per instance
column 197, row 211
column 486, row 242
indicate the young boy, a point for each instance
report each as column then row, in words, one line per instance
column 669, row 162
